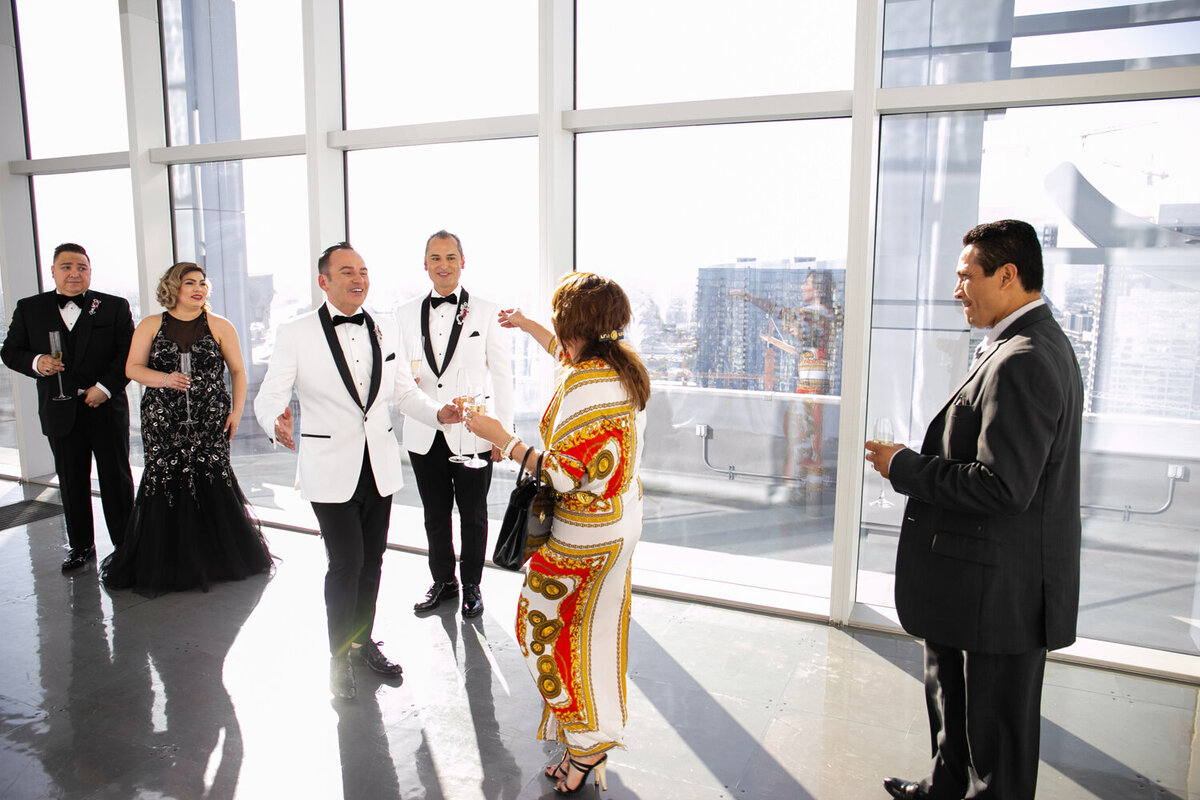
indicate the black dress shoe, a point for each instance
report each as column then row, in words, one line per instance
column 375, row 659
column 904, row 790
column 78, row 557
column 472, row 605
column 436, row 594
column 341, row 678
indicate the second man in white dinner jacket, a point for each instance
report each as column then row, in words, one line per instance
column 464, row 346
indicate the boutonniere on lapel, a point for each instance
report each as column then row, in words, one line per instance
column 378, row 331
column 462, row 312
column 95, row 305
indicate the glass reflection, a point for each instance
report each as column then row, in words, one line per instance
column 736, row 272
column 1113, row 189
column 952, row 41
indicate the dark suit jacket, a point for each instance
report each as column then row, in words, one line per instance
column 100, row 347
column 988, row 559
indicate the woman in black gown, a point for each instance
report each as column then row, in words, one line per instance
column 190, row 526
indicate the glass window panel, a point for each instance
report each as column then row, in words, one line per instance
column 1115, row 191
column 10, row 455
column 487, row 194
column 427, row 62
column 73, row 79
column 731, row 243
column 94, row 209
column 246, row 222
column 631, row 52
column 979, row 40
column 233, row 70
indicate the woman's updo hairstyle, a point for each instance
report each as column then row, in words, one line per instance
column 595, row 311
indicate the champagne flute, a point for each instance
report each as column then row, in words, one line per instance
column 185, row 368
column 883, row 435
column 56, row 352
column 461, row 402
column 475, row 405
column 416, row 356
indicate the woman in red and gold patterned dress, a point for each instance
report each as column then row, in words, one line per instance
column 573, row 615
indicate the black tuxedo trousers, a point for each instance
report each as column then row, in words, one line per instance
column 441, row 483
column 355, row 536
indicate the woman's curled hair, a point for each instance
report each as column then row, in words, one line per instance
column 167, row 293
column 586, row 306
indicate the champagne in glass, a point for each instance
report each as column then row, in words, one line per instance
column 883, row 435
column 56, row 352
column 476, row 404
column 185, row 368
column 416, row 356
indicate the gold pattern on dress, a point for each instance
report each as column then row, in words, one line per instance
column 548, row 681
column 543, row 630
column 546, row 586
column 522, row 613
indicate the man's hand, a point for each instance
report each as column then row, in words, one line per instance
column 880, row 455
column 449, row 414
column 95, row 396
column 284, row 427
column 48, row 366
column 496, row 454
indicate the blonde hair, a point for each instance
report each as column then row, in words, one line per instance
column 167, row 293
column 594, row 310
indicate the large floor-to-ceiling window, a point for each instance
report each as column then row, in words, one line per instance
column 780, row 187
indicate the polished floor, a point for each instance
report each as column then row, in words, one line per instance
column 223, row 694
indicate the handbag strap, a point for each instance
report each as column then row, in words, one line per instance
column 537, row 476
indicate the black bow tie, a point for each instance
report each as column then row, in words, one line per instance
column 434, row 302
column 357, row 319
column 64, row 299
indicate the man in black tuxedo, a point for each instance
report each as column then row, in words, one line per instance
column 987, row 569
column 93, row 418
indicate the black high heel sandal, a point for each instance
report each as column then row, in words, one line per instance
column 586, row 769
column 558, row 770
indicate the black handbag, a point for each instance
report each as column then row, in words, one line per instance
column 526, row 525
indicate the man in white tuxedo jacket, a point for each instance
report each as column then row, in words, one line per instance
column 463, row 346
column 344, row 367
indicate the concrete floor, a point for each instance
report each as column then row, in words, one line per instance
column 223, row 694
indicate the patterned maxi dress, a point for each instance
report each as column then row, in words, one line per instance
column 573, row 615
column 190, row 526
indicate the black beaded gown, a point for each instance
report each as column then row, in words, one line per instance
column 190, row 525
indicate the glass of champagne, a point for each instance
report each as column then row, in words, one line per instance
column 185, row 368
column 56, row 352
column 476, row 404
column 883, row 435
column 461, row 401
column 416, row 356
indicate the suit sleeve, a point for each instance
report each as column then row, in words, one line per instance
column 16, row 351
column 411, row 400
column 1020, row 411
column 113, row 375
column 275, row 393
column 499, row 364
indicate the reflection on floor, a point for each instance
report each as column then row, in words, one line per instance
column 223, row 695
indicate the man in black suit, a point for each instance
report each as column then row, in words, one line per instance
column 987, row 570
column 92, row 419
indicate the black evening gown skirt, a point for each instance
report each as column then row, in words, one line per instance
column 191, row 526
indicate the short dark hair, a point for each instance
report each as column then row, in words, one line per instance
column 323, row 260
column 444, row 234
column 71, row 247
column 1008, row 241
